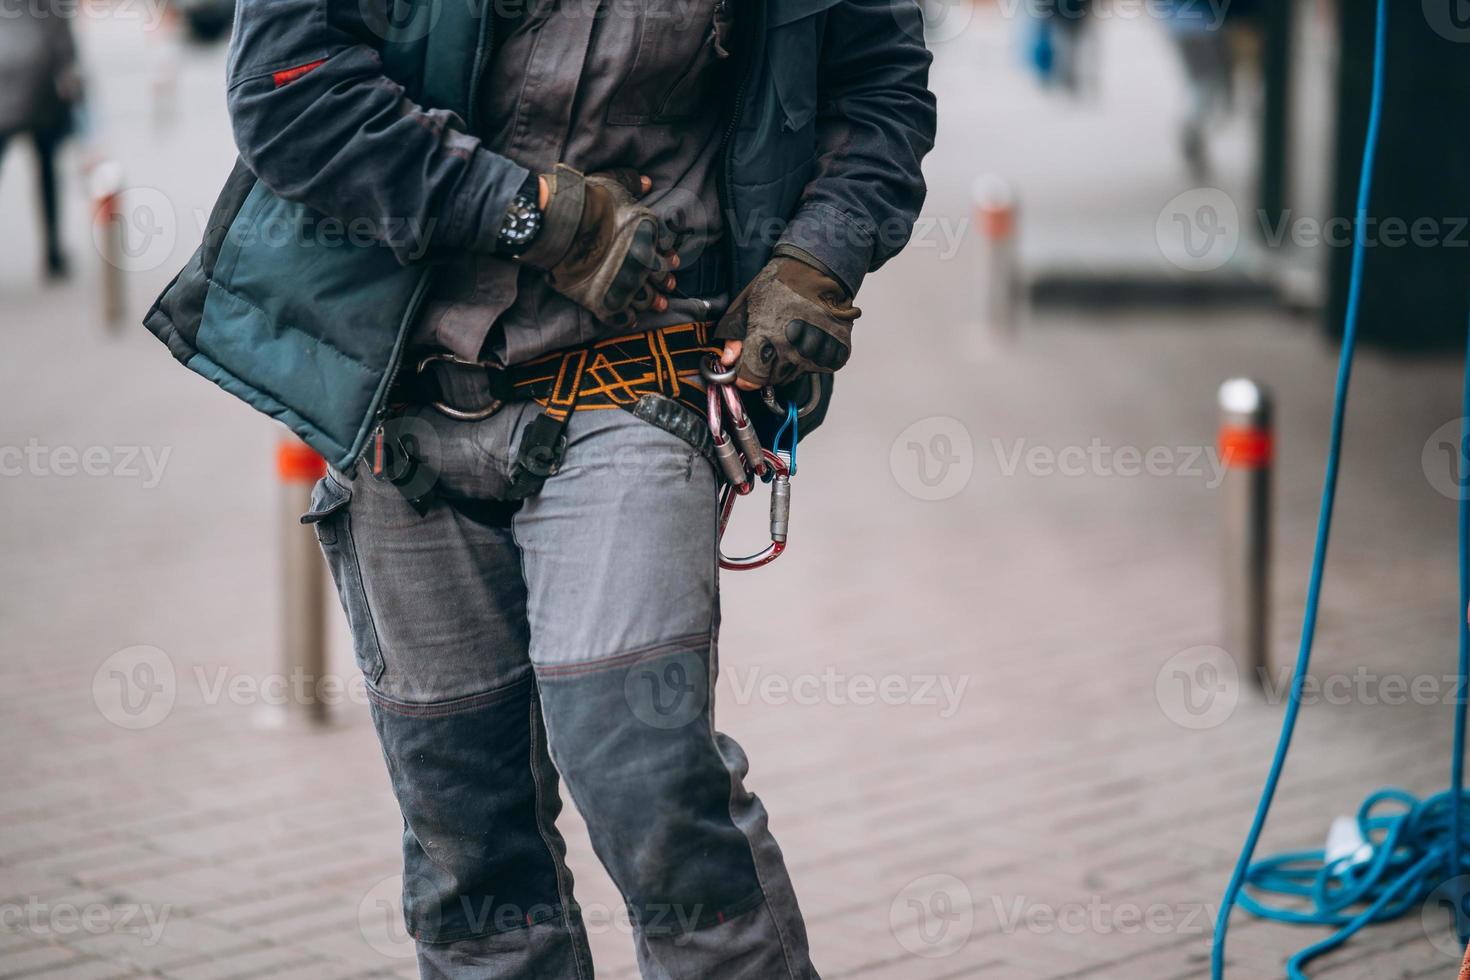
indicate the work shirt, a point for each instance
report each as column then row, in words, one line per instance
column 595, row 84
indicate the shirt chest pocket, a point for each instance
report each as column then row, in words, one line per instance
column 679, row 47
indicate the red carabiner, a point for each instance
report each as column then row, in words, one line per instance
column 780, row 516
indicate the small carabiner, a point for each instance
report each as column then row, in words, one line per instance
column 727, row 454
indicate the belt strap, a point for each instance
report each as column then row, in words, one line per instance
column 653, row 374
column 544, row 439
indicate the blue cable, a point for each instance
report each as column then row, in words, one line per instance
column 792, row 415
column 1462, row 617
column 1418, row 845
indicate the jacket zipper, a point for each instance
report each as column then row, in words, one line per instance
column 758, row 31
column 421, row 290
column 482, row 59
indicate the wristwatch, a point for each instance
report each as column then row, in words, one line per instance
column 521, row 224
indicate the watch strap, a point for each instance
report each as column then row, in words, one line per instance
column 561, row 218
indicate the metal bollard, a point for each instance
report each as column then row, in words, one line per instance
column 166, row 55
column 105, row 181
column 1246, row 452
column 998, row 302
column 303, row 592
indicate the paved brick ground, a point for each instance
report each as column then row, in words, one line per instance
column 1048, row 814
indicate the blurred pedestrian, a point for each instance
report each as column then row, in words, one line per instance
column 1057, row 42
column 1213, row 43
column 40, row 87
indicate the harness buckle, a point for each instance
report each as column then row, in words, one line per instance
column 543, row 445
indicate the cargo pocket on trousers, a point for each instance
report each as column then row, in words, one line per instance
column 331, row 516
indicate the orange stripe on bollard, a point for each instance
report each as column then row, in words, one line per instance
column 297, row 462
column 1246, row 448
column 104, row 208
column 996, row 222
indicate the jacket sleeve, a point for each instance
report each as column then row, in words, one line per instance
column 875, row 122
column 318, row 122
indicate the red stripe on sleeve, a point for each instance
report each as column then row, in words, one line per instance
column 291, row 74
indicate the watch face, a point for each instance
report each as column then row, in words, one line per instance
column 521, row 224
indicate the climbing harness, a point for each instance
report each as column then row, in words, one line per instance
column 742, row 459
column 1413, row 849
column 670, row 377
column 652, row 374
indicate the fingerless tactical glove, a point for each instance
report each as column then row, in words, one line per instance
column 794, row 319
column 599, row 247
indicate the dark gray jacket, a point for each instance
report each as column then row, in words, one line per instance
column 343, row 115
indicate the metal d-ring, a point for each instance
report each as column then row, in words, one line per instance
column 768, row 398
column 459, row 414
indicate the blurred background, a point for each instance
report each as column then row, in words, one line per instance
column 1016, row 724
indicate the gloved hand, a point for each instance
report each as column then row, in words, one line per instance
column 793, row 319
column 599, row 247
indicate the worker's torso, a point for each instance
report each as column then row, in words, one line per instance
column 596, row 85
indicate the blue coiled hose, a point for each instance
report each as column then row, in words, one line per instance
column 1416, row 844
